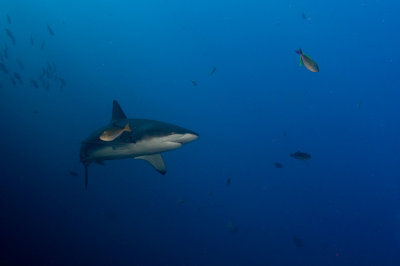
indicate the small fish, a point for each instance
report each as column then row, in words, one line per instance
column 18, row 77
column 50, row 30
column 47, row 86
column 194, row 83
column 303, row 16
column 20, row 64
column 5, row 52
column 11, row 36
column 181, row 201
column 8, row 19
column 13, row 81
column 113, row 133
column 307, row 62
column 298, row 242
column 231, row 227
column 63, row 83
column 213, row 71
column 278, row 165
column 34, row 84
column 228, row 182
column 73, row 173
column 3, row 68
column 300, row 155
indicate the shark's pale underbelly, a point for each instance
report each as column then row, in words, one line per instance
column 129, row 150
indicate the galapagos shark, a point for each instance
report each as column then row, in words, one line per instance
column 146, row 140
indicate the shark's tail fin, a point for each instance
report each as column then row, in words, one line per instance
column 86, row 176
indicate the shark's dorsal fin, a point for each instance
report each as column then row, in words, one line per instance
column 156, row 161
column 117, row 113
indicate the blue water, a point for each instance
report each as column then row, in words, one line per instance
column 341, row 207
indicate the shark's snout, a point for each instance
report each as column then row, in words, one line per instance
column 189, row 137
column 183, row 138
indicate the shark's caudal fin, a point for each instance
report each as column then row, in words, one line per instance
column 86, row 176
column 156, row 161
column 117, row 113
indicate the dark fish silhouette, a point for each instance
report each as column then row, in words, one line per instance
column 13, row 81
column 52, row 69
column 63, row 83
column 300, row 155
column 228, row 182
column 181, row 200
column 278, row 165
column 5, row 51
column 303, row 16
column 47, row 86
column 3, row 68
column 298, row 242
column 194, row 83
column 34, row 83
column 18, row 77
column 213, row 71
column 11, row 36
column 50, row 30
column 43, row 45
column 42, row 81
column 20, row 64
column 8, row 19
column 49, row 71
column 73, row 173
column 231, row 227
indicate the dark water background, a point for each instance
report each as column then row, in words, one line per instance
column 342, row 207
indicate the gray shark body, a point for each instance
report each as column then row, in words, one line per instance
column 146, row 140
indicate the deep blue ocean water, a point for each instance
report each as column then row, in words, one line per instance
column 341, row 207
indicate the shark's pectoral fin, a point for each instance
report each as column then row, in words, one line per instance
column 156, row 161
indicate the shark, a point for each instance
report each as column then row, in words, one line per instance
column 146, row 140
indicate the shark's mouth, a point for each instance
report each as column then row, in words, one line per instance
column 182, row 138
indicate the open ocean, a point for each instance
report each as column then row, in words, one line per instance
column 291, row 167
